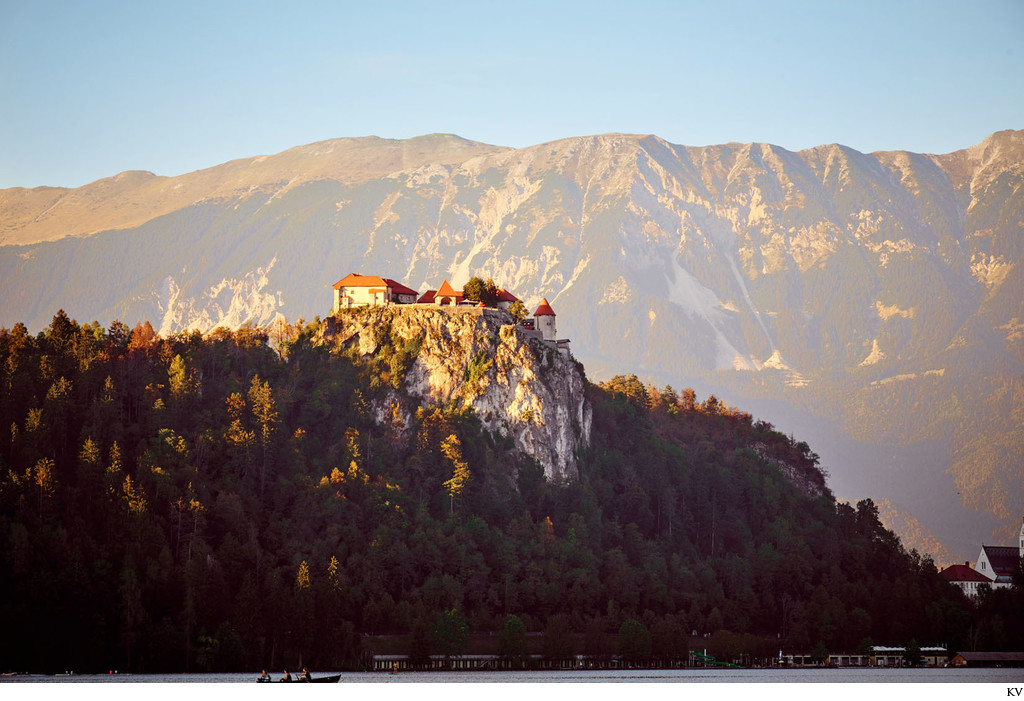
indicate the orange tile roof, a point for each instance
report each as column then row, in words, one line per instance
column 506, row 296
column 544, row 309
column 446, row 290
column 357, row 280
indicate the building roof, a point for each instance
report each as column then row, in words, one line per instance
column 992, row 656
column 544, row 309
column 428, row 297
column 963, row 573
column 506, row 296
column 1003, row 558
column 399, row 288
column 357, row 280
column 446, row 290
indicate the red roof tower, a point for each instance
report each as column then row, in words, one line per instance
column 544, row 309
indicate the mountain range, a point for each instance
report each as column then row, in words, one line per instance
column 870, row 304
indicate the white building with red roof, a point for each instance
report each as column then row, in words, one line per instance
column 999, row 562
column 355, row 290
column 505, row 299
column 965, row 577
column 544, row 320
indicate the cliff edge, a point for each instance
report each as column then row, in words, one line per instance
column 518, row 385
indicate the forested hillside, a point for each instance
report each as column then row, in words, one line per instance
column 220, row 502
column 873, row 301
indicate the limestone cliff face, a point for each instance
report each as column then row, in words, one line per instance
column 517, row 385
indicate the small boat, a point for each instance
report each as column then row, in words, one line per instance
column 332, row 679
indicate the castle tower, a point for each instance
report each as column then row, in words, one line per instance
column 544, row 318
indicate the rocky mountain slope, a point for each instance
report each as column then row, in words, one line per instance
column 520, row 388
column 871, row 303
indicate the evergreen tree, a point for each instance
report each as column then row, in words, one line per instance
column 512, row 642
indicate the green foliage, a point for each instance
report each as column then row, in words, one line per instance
column 477, row 368
column 819, row 654
column 151, row 539
column 912, row 653
column 451, row 448
column 478, row 290
column 634, row 640
column 450, row 633
column 512, row 642
column 518, row 311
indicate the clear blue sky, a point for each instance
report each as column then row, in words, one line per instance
column 91, row 88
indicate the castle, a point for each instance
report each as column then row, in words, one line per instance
column 357, row 290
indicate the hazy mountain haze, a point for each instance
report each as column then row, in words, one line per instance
column 869, row 303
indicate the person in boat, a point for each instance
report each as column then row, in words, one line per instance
column 305, row 675
column 287, row 676
column 264, row 677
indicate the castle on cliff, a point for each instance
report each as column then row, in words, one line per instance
column 357, row 290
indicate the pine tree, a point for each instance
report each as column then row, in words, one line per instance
column 264, row 411
column 452, row 450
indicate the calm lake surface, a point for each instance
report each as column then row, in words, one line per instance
column 700, row 676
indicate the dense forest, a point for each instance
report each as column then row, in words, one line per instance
column 234, row 501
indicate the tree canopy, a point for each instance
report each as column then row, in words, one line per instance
column 210, row 503
column 479, row 290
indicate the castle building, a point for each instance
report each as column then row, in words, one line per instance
column 999, row 562
column 444, row 295
column 505, row 299
column 544, row 320
column 355, row 290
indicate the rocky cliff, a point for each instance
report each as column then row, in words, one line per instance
column 519, row 386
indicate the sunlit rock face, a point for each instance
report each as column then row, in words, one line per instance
column 518, row 386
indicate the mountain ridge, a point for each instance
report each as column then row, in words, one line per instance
column 225, row 180
column 16, row 225
column 881, row 293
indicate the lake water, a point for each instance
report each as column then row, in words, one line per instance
column 591, row 685
column 700, row 676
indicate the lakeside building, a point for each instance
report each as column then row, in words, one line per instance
column 988, row 659
column 999, row 562
column 881, row 656
column 965, row 577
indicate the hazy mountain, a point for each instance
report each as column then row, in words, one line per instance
column 872, row 304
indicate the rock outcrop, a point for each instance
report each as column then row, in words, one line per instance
column 518, row 385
